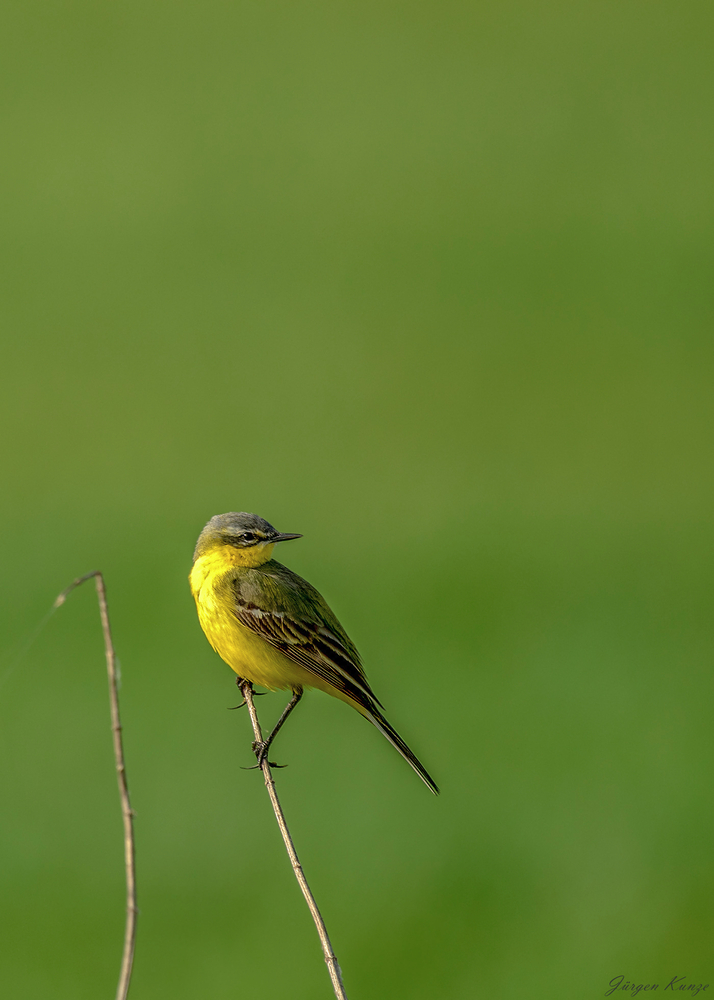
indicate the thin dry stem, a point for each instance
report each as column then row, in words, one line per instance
column 330, row 957
column 127, row 814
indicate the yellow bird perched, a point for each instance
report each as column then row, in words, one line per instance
column 273, row 628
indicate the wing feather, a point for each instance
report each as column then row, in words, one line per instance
column 292, row 616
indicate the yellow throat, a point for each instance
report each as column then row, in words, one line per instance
column 223, row 558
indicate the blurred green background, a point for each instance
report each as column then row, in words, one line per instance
column 430, row 284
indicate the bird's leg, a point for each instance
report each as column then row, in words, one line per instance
column 261, row 747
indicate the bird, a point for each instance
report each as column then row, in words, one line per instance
column 275, row 629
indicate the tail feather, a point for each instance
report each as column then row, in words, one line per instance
column 398, row 743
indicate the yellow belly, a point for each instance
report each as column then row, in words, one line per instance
column 245, row 652
column 252, row 657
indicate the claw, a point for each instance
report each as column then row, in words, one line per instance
column 260, row 749
column 256, row 694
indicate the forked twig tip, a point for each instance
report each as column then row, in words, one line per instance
column 61, row 598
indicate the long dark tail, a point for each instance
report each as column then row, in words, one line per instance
column 376, row 717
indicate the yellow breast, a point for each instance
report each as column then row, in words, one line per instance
column 252, row 657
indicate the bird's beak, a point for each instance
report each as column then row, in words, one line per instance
column 282, row 537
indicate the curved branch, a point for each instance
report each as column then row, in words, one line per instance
column 126, row 810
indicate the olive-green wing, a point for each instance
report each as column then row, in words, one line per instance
column 287, row 611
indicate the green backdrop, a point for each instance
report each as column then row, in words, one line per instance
column 431, row 284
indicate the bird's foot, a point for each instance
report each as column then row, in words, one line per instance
column 256, row 767
column 260, row 749
column 256, row 694
column 240, row 681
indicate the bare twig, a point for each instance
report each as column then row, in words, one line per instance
column 330, row 957
column 127, row 814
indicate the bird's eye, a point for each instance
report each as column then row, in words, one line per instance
column 248, row 536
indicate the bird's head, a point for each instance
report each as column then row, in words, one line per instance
column 250, row 538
